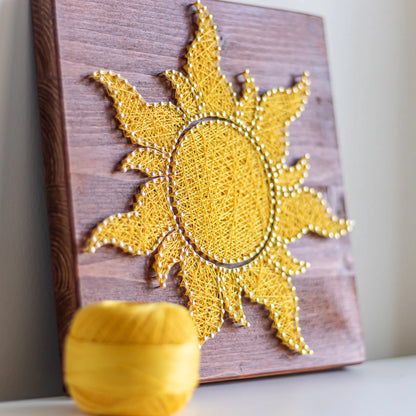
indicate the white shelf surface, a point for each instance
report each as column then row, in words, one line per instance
column 382, row 387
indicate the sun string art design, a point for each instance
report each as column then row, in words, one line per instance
column 220, row 200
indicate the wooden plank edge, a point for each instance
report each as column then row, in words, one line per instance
column 261, row 6
column 281, row 373
column 55, row 163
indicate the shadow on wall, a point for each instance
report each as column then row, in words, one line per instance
column 29, row 359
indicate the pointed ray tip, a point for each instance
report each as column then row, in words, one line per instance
column 101, row 72
column 306, row 79
column 166, row 73
column 350, row 225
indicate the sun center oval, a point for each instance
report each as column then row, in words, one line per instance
column 221, row 192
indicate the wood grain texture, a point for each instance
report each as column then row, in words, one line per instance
column 140, row 39
column 55, row 164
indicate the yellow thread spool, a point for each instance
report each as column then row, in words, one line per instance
column 125, row 358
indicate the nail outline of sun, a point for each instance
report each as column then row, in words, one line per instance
column 170, row 216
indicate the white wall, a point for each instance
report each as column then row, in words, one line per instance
column 373, row 65
column 29, row 364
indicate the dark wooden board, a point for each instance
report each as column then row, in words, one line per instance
column 82, row 149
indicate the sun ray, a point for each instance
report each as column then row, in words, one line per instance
column 125, row 95
column 205, row 304
column 290, row 177
column 141, row 230
column 231, row 292
column 276, row 110
column 167, row 255
column 147, row 160
column 152, row 125
column 276, row 292
column 304, row 210
column 281, row 258
column 186, row 97
column 249, row 100
column 203, row 67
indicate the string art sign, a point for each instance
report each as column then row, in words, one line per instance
column 219, row 200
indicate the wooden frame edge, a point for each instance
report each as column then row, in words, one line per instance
column 58, row 193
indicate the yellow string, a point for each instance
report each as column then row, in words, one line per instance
column 131, row 359
column 221, row 200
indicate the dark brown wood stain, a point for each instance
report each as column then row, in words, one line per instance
column 82, row 147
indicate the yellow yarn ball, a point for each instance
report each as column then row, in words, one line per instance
column 136, row 359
